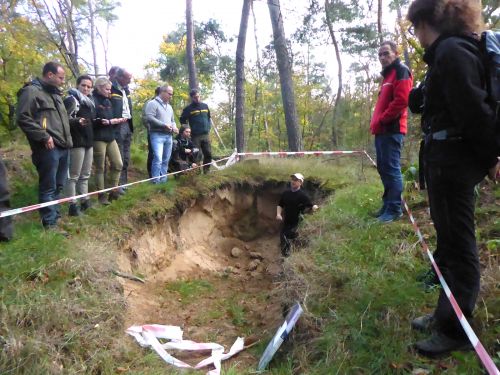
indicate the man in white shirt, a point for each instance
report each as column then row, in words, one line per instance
column 160, row 117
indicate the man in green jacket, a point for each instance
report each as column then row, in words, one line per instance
column 42, row 116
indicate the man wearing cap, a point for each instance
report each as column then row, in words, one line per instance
column 292, row 204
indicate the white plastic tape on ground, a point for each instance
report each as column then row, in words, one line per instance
column 148, row 335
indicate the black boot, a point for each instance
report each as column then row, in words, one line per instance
column 440, row 344
column 423, row 323
column 86, row 204
column 102, row 199
column 74, row 210
column 113, row 195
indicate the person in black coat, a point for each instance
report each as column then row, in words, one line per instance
column 105, row 145
column 184, row 155
column 292, row 205
column 459, row 151
column 81, row 112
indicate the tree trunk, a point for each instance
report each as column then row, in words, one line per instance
column 240, row 77
column 335, row 135
column 92, row 36
column 406, row 54
column 379, row 22
column 193, row 79
column 285, row 72
column 259, row 98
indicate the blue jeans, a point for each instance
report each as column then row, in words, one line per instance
column 388, row 148
column 52, row 167
column 161, row 143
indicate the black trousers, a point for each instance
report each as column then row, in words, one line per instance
column 6, row 226
column 202, row 141
column 287, row 235
column 451, row 199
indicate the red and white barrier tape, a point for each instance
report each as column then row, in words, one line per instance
column 148, row 335
column 299, row 153
column 483, row 355
column 16, row 211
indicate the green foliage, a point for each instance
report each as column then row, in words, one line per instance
column 188, row 290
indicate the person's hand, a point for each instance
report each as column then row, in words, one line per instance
column 279, row 217
column 176, row 131
column 49, row 144
column 187, row 151
column 315, row 207
column 83, row 121
column 494, row 172
column 194, row 165
column 122, row 120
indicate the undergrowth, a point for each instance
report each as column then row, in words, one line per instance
column 62, row 309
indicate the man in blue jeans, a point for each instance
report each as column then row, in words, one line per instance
column 388, row 124
column 160, row 117
column 42, row 116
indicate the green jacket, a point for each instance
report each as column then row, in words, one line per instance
column 41, row 113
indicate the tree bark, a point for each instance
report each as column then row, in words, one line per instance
column 285, row 72
column 335, row 136
column 92, row 36
column 379, row 22
column 193, row 79
column 240, row 77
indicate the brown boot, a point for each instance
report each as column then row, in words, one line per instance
column 114, row 195
column 102, row 199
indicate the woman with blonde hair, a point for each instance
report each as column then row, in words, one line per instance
column 459, row 151
column 105, row 145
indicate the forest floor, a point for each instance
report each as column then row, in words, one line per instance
column 207, row 248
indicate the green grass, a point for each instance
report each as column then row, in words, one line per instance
column 190, row 289
column 61, row 310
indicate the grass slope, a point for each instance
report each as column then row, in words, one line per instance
column 61, row 308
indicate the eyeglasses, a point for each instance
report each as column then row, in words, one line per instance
column 87, row 86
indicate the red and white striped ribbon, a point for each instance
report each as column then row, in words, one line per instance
column 299, row 153
column 16, row 211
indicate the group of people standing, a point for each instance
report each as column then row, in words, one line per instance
column 458, row 149
column 93, row 126
column 69, row 135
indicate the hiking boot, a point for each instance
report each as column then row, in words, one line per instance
column 378, row 213
column 389, row 217
column 440, row 344
column 86, row 204
column 102, row 199
column 54, row 228
column 74, row 210
column 114, row 195
column 423, row 323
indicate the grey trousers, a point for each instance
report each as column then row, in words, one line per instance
column 80, row 165
column 111, row 151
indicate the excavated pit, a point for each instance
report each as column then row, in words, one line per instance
column 213, row 269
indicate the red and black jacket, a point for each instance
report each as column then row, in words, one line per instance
column 390, row 113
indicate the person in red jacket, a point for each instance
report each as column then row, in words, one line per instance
column 388, row 124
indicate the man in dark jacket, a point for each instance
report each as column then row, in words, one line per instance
column 293, row 203
column 197, row 115
column 43, row 118
column 122, row 108
column 388, row 124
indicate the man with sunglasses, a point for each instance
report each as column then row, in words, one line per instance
column 388, row 124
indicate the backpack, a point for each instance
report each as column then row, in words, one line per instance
column 490, row 47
